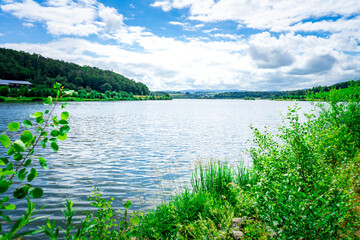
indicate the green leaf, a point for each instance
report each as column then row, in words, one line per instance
column 9, row 167
column 63, row 122
column 21, row 193
column 7, row 218
column 57, row 85
column 3, row 161
column 27, row 163
column 17, row 156
column 10, row 207
column 10, row 151
column 27, row 123
column 135, row 220
column 4, row 186
column 63, row 105
column 47, row 111
column 43, row 142
column 36, row 115
column 48, row 100
column 41, row 159
column 13, row 126
column 64, row 115
column 44, row 134
column 26, row 136
column 36, row 193
column 32, row 175
column 5, row 140
column 5, row 199
column 39, row 120
column 54, row 133
column 21, row 174
column 43, row 165
column 54, row 146
column 127, row 204
column 64, row 129
column 4, row 173
column 62, row 137
column 19, row 146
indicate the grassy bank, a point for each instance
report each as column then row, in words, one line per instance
column 78, row 99
column 304, row 184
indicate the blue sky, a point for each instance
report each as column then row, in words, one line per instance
column 193, row 44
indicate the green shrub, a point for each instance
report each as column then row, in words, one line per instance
column 300, row 192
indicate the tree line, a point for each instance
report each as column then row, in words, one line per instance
column 43, row 73
column 286, row 95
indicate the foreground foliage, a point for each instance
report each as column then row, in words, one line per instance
column 304, row 184
column 20, row 160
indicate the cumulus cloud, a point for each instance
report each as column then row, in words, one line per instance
column 213, row 59
column 110, row 17
column 60, row 17
column 316, row 65
column 272, row 15
column 270, row 57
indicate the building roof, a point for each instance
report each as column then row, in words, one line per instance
column 11, row 82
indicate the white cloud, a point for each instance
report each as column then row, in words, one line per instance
column 1, row 34
column 111, row 18
column 186, row 26
column 266, row 14
column 261, row 61
column 28, row 24
column 164, row 5
column 60, row 17
column 176, row 23
column 228, row 36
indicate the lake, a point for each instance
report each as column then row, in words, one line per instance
column 141, row 151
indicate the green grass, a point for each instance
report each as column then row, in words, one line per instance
column 74, row 99
column 304, row 185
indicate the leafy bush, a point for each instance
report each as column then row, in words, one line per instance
column 98, row 224
column 301, row 191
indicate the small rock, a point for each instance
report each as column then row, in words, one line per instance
column 237, row 235
column 272, row 234
column 238, row 222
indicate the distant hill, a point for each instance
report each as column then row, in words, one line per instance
column 44, row 72
column 242, row 94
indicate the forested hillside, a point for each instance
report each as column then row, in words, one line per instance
column 44, row 72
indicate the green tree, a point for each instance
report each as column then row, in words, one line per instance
column 24, row 91
column 4, row 91
column 14, row 92
column 105, row 87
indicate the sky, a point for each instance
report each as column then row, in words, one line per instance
column 195, row 44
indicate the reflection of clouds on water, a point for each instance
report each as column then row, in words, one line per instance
column 142, row 151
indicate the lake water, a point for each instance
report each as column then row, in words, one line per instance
column 141, row 150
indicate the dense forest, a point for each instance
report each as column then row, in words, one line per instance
column 44, row 72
